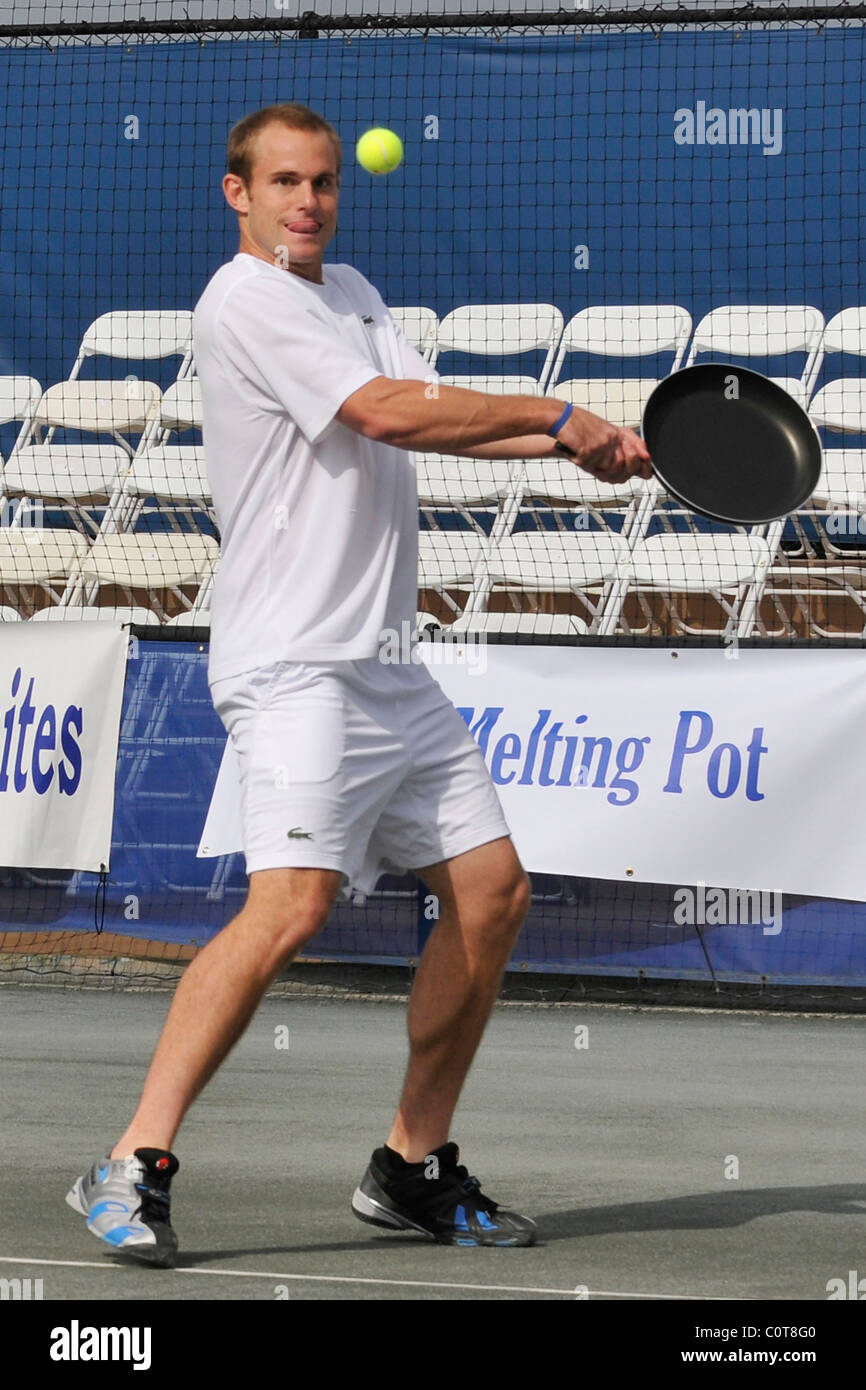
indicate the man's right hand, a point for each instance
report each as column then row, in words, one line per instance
column 607, row 451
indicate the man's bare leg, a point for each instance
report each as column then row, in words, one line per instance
column 483, row 899
column 220, row 991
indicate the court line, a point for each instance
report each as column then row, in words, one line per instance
column 357, row 1279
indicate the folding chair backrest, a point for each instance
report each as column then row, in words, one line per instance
column 629, row 330
column 139, row 335
column 846, row 332
column 497, row 330
column 503, row 330
column 749, row 330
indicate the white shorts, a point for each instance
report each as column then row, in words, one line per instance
column 358, row 766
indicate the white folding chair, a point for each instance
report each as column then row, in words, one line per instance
column 840, row 405
column 180, row 408
column 808, row 600
column 146, row 562
column 119, row 408
column 550, row 563
column 71, row 477
column 765, row 331
column 464, row 486
column 619, row 332
column 729, row 568
column 842, row 484
column 503, row 330
column 556, row 483
column 837, row 508
column 173, row 475
column 43, row 558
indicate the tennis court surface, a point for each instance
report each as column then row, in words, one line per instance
column 619, row 1130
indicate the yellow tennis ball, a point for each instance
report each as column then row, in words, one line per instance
column 379, row 151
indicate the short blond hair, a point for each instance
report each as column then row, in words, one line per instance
column 239, row 153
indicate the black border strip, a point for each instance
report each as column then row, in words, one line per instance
column 311, row 25
column 201, row 636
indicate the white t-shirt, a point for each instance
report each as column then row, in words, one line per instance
column 319, row 525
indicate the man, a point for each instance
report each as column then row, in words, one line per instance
column 311, row 400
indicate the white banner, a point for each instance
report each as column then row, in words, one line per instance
column 61, row 689
column 740, row 768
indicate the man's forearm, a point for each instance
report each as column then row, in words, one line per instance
column 524, row 446
column 409, row 415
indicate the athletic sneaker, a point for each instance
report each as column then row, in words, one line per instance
column 126, row 1202
column 437, row 1197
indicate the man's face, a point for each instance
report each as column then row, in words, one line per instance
column 289, row 212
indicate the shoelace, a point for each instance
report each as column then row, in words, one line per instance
column 154, row 1202
column 472, row 1187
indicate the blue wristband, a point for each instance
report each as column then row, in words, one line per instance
column 554, row 429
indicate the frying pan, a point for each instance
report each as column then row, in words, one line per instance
column 731, row 445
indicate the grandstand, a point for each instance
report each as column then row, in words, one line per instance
column 114, row 471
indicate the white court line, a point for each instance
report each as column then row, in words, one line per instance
column 352, row 1279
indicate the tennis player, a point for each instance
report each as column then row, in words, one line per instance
column 313, row 401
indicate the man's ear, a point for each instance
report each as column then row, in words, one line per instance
column 234, row 191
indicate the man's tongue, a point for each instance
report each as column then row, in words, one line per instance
column 305, row 227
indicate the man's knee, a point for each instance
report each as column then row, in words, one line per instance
column 491, row 890
column 295, row 928
column 283, row 935
column 493, row 922
column 515, row 896
column 288, row 908
column 501, row 905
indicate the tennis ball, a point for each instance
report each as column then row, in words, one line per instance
column 379, row 151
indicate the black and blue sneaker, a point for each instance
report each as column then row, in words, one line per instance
column 126, row 1202
column 438, row 1198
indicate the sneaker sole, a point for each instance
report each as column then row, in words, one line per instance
column 368, row 1209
